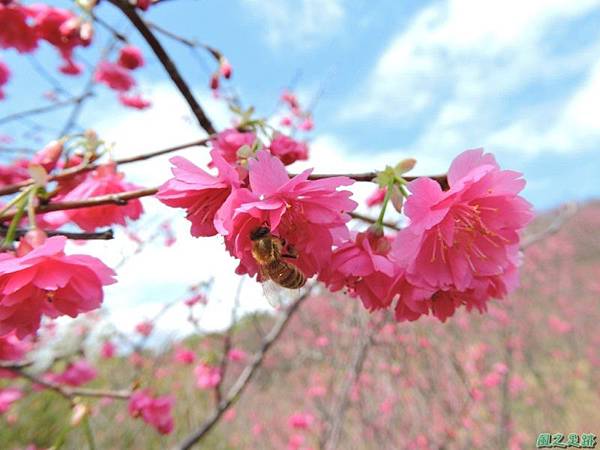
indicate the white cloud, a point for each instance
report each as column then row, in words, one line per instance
column 457, row 64
column 298, row 22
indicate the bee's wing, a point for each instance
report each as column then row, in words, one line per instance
column 274, row 294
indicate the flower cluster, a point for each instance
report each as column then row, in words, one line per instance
column 461, row 246
column 117, row 76
column 296, row 117
column 44, row 281
column 155, row 411
column 253, row 189
column 23, row 26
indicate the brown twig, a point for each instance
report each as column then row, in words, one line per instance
column 246, row 376
column 334, row 429
column 167, row 63
column 12, row 188
column 45, row 109
column 569, row 210
column 100, row 235
column 368, row 219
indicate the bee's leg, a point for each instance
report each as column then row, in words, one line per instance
column 290, row 255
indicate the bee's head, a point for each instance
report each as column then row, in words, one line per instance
column 258, row 233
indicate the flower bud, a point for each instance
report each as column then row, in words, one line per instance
column 79, row 412
column 406, row 165
column 49, row 155
column 225, row 68
column 214, row 81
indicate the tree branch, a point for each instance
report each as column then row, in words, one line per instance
column 246, row 376
column 167, row 63
column 101, row 235
column 45, row 109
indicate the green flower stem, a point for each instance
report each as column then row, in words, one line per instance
column 14, row 201
column 386, row 200
column 12, row 229
column 31, row 208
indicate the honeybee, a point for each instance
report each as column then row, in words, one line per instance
column 269, row 252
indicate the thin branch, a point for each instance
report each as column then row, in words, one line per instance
column 569, row 210
column 68, row 392
column 100, row 235
column 167, row 63
column 44, row 109
column 13, row 188
column 246, row 376
column 368, row 219
column 339, row 409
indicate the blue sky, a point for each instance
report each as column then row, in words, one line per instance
column 520, row 78
column 389, row 80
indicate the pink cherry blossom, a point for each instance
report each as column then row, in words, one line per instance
column 301, row 420
column 108, row 350
column 130, row 57
column 559, row 325
column 134, row 101
column 144, row 328
column 229, row 141
column 14, row 172
column 114, row 76
column 288, row 150
column 102, row 181
column 377, row 197
column 463, row 243
column 7, row 397
column 76, row 374
column 49, row 155
column 310, row 215
column 156, row 411
column 48, row 282
column 307, row 124
column 362, row 267
column 184, row 355
column 12, row 348
column 225, row 68
column 4, row 77
column 15, row 31
column 207, row 376
column 61, row 28
column 198, row 192
column 237, row 355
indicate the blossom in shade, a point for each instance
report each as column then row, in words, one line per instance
column 307, row 124
column 102, row 181
column 144, row 328
column 12, row 348
column 7, row 397
column 229, row 141
column 134, row 101
column 207, row 376
column 155, row 411
column 46, row 281
column 237, row 355
column 184, row 355
column 301, row 420
column 362, row 267
column 288, row 150
column 462, row 244
column 108, row 350
column 310, row 215
column 225, row 68
column 15, row 31
column 198, row 192
column 130, row 57
column 114, row 76
column 49, row 155
column 143, row 4
column 62, row 29
column 14, row 172
column 376, row 197
column 76, row 374
column 4, row 77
